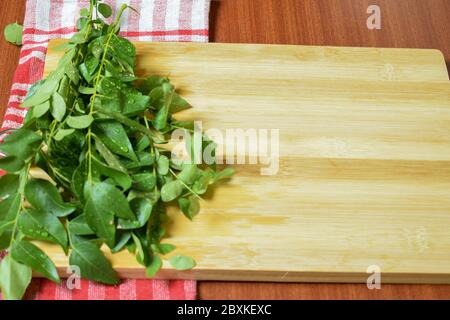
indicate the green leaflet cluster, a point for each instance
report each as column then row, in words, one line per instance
column 98, row 131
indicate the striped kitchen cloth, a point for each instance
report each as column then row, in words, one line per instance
column 159, row 20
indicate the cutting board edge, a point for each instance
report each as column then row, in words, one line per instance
column 440, row 55
column 53, row 43
column 276, row 276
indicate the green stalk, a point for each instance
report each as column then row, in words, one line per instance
column 154, row 135
column 96, row 87
column 185, row 185
column 22, row 182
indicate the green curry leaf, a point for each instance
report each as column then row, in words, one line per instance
column 13, row 33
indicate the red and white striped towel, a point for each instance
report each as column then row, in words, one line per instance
column 159, row 20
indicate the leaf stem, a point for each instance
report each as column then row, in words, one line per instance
column 178, row 127
column 185, row 185
column 22, row 182
column 96, row 87
column 152, row 134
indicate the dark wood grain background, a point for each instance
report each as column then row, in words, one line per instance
column 405, row 24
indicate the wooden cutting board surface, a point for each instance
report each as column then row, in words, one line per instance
column 364, row 168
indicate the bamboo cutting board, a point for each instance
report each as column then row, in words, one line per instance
column 364, row 168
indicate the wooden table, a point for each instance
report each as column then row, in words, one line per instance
column 405, row 23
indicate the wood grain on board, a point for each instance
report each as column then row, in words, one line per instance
column 405, row 23
column 364, row 162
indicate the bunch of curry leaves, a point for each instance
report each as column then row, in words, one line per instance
column 98, row 132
